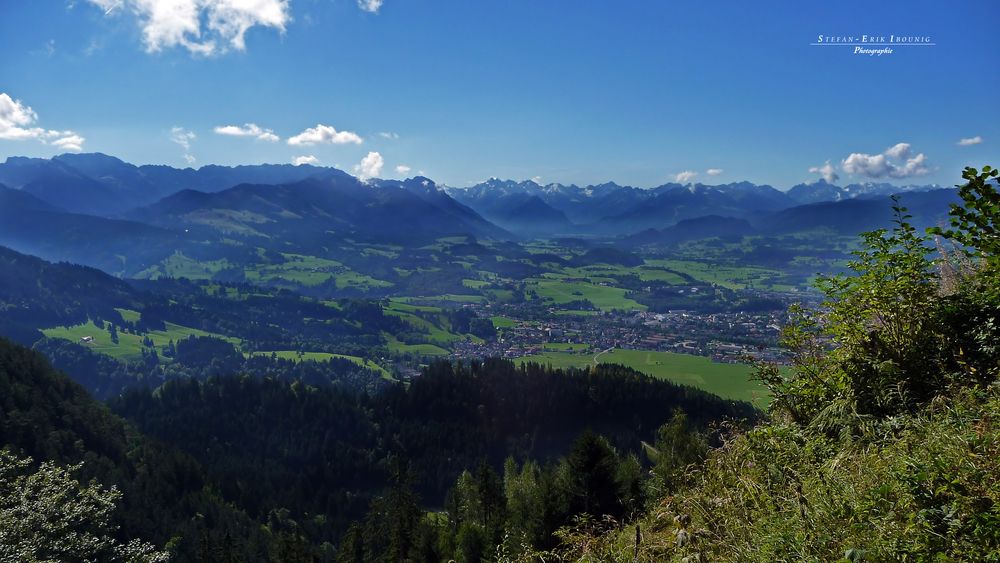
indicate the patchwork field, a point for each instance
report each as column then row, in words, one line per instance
column 732, row 277
column 296, row 269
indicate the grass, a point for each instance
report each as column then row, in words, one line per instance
column 129, row 346
column 178, row 265
column 499, row 295
column 503, row 322
column 312, row 271
column 566, row 346
column 730, row 381
column 128, row 315
column 297, row 356
column 436, row 332
column 443, row 298
column 430, row 320
column 420, row 349
column 652, row 273
column 576, row 312
column 923, row 487
column 732, row 277
column 296, row 269
column 603, row 297
column 399, row 304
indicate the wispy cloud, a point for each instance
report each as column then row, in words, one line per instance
column 403, row 169
column 324, row 134
column 47, row 50
column 389, row 135
column 685, row 177
column 183, row 137
column 714, row 171
column 203, row 27
column 970, row 141
column 18, row 122
column 248, row 130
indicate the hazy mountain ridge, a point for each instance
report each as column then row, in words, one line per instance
column 101, row 211
column 99, row 184
column 610, row 208
column 335, row 206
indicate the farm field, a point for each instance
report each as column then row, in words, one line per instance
column 503, row 322
column 730, row 381
column 732, row 277
column 296, row 269
column 129, row 346
column 603, row 297
column 398, row 347
column 444, row 299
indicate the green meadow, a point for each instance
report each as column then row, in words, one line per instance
column 730, row 381
column 603, row 297
column 398, row 347
column 129, row 346
column 297, row 356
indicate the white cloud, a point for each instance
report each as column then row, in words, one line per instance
column 899, row 150
column 324, row 134
column 685, row 177
column 714, row 171
column 403, row 169
column 305, row 159
column 970, row 141
column 536, row 179
column 883, row 165
column 370, row 166
column 183, row 137
column 204, row 27
column 827, row 171
column 14, row 116
column 370, row 5
column 17, row 123
column 248, row 130
column 872, row 166
column 915, row 166
column 70, row 143
column 389, row 135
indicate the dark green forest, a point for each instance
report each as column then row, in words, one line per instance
column 304, row 461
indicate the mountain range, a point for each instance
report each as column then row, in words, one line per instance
column 101, row 211
column 612, row 209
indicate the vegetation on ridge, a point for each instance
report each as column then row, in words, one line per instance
column 882, row 443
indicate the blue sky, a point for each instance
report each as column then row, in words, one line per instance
column 584, row 91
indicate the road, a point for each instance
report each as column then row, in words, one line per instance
column 598, row 355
